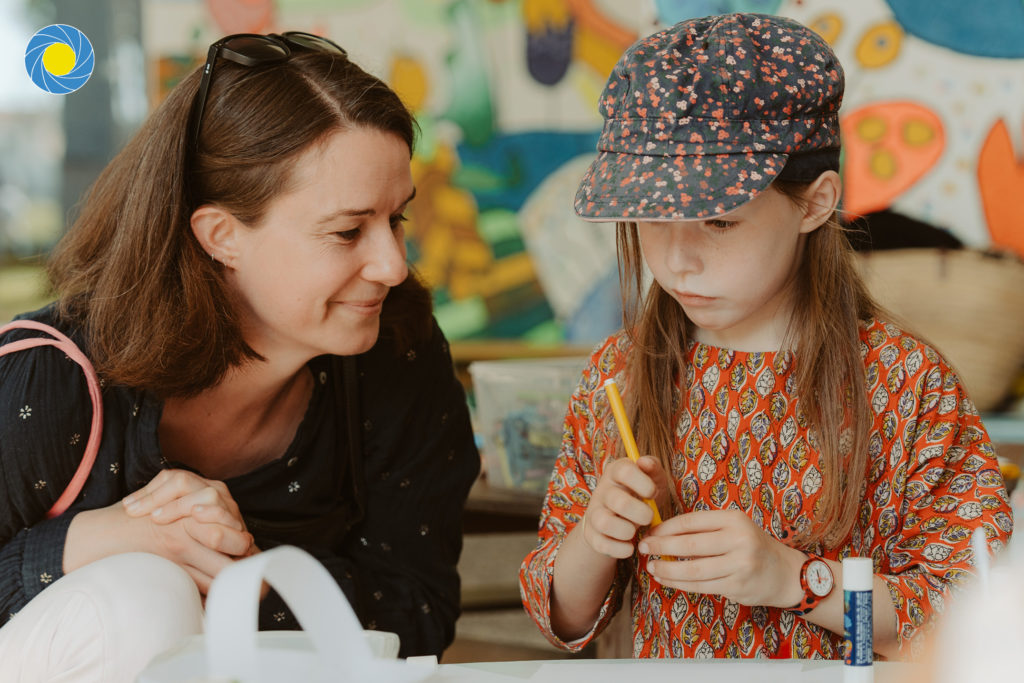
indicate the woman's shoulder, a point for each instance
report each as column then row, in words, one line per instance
column 49, row 315
column 42, row 390
column 44, row 361
column 40, row 323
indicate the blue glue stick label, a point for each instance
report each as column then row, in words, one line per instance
column 857, row 627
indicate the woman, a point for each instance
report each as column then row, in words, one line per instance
column 272, row 374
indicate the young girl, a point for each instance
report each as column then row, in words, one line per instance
column 787, row 423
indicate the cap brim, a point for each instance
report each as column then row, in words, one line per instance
column 629, row 187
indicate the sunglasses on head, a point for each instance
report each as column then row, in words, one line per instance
column 253, row 49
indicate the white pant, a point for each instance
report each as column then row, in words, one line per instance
column 102, row 622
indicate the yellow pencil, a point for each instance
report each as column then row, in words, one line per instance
column 619, row 410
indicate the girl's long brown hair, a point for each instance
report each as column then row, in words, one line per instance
column 154, row 308
column 830, row 301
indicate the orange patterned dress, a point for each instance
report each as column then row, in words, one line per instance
column 741, row 441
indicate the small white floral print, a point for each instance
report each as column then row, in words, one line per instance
column 279, row 616
column 293, row 487
column 115, row 467
column 135, row 410
column 45, row 577
column 39, row 485
column 75, row 438
column 25, row 412
column 424, row 530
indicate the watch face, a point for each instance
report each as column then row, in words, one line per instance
column 819, row 578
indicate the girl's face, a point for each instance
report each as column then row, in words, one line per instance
column 314, row 272
column 733, row 275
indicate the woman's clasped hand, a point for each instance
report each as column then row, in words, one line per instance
column 185, row 509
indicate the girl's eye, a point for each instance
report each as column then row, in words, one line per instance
column 398, row 220
column 719, row 223
column 348, row 235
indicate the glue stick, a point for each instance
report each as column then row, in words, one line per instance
column 858, row 584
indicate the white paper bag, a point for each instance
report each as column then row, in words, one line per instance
column 333, row 646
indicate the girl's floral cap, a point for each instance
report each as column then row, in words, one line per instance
column 701, row 117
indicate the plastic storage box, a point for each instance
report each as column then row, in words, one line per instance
column 520, row 409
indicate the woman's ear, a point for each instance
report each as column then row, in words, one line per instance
column 217, row 232
column 821, row 199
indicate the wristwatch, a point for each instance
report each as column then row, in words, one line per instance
column 817, row 582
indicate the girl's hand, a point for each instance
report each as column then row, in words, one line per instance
column 173, row 495
column 617, row 508
column 724, row 553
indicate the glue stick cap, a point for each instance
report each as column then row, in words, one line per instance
column 858, row 574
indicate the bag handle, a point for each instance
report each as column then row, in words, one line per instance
column 232, row 616
column 92, row 446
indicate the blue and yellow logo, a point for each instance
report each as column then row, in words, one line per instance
column 59, row 59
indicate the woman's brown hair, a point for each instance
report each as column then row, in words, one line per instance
column 830, row 301
column 154, row 308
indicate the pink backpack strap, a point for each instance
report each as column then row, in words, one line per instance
column 92, row 447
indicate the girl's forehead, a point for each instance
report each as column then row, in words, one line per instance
column 764, row 201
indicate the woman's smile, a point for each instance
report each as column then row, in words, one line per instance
column 363, row 306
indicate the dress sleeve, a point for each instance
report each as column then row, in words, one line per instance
column 45, row 415
column 576, row 472
column 398, row 566
column 951, row 485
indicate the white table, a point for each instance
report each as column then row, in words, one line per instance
column 656, row 671
column 189, row 657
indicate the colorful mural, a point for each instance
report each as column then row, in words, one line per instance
column 505, row 92
column 1001, row 182
column 990, row 29
column 888, row 146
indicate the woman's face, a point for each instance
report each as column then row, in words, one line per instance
column 313, row 274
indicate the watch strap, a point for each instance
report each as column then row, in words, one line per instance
column 810, row 599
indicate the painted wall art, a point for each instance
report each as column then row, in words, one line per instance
column 505, row 92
